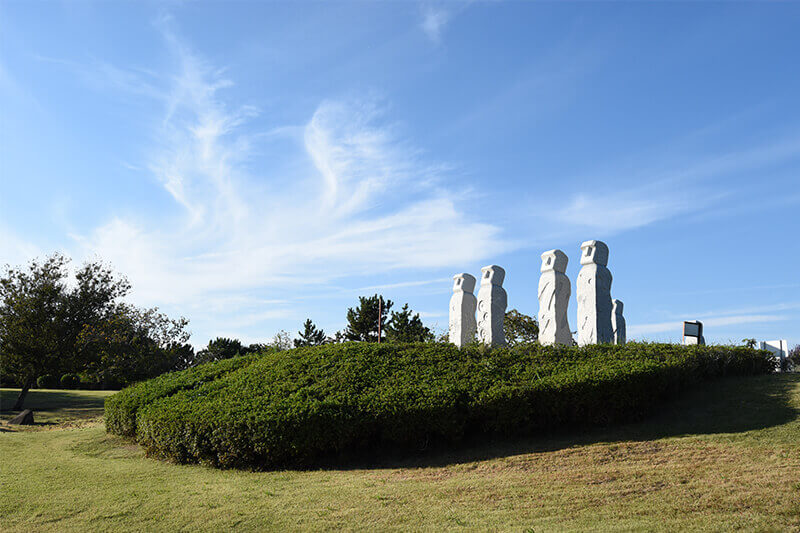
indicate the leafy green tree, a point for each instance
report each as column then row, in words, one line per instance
column 750, row 343
column 310, row 336
column 256, row 347
column 362, row 321
column 406, row 326
column 281, row 341
column 338, row 338
column 793, row 358
column 220, row 348
column 133, row 344
column 42, row 317
column 520, row 328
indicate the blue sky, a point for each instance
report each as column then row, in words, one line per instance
column 249, row 165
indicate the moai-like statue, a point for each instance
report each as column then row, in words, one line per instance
column 554, row 293
column 462, row 310
column 594, row 295
column 492, row 301
column 618, row 323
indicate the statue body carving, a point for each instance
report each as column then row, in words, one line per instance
column 462, row 310
column 554, row 293
column 492, row 302
column 594, row 295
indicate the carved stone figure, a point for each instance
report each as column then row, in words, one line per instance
column 492, row 302
column 462, row 310
column 594, row 295
column 554, row 293
column 618, row 323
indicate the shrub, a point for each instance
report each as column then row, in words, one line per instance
column 48, row 381
column 70, row 381
column 305, row 406
column 121, row 408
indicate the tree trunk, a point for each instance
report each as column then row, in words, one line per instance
column 22, row 394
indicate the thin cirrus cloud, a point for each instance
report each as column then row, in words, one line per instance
column 434, row 20
column 369, row 201
column 662, row 191
column 640, row 330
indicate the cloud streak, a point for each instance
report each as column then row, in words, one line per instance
column 433, row 22
column 368, row 201
column 675, row 328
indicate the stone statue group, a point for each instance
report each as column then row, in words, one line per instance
column 600, row 318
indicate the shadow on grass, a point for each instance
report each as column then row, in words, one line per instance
column 725, row 406
column 48, row 405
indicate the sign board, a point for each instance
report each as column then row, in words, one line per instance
column 692, row 329
column 693, row 333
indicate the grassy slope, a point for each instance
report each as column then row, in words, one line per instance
column 724, row 457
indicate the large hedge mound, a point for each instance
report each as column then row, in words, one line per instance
column 305, row 406
column 121, row 408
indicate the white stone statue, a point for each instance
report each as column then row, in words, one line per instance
column 554, row 293
column 492, row 301
column 594, row 295
column 618, row 323
column 462, row 310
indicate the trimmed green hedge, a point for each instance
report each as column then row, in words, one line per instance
column 121, row 408
column 302, row 407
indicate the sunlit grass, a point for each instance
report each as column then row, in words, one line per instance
column 56, row 407
column 721, row 458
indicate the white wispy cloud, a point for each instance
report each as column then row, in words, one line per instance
column 16, row 250
column 369, row 203
column 675, row 327
column 619, row 211
column 404, row 284
column 650, row 192
column 434, row 20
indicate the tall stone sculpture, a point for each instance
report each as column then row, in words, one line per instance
column 594, row 295
column 462, row 310
column 492, row 301
column 554, row 293
column 618, row 323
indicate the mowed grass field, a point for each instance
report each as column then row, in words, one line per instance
column 724, row 457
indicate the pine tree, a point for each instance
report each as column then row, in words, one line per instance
column 310, row 336
column 406, row 326
column 220, row 348
column 362, row 321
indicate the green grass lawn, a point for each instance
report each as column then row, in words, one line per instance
column 720, row 458
column 56, row 407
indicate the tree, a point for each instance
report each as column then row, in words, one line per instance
column 519, row 328
column 41, row 317
column 281, row 341
column 256, row 347
column 362, row 321
column 750, row 343
column 310, row 336
column 407, row 327
column 793, row 357
column 220, row 348
column 133, row 344
column 338, row 338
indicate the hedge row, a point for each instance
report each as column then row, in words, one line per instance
column 121, row 408
column 302, row 407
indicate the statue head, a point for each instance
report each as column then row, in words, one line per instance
column 492, row 275
column 554, row 260
column 594, row 252
column 464, row 282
